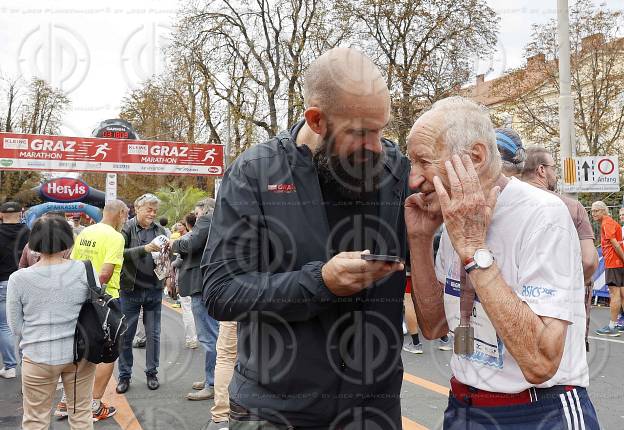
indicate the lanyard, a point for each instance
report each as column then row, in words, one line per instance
column 464, row 334
column 466, row 297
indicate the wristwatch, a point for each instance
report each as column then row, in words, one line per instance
column 482, row 259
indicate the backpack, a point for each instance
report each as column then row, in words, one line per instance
column 100, row 325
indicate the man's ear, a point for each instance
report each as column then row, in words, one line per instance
column 315, row 120
column 479, row 155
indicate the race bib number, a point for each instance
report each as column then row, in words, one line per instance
column 488, row 348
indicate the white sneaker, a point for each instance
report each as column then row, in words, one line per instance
column 445, row 345
column 414, row 349
column 8, row 373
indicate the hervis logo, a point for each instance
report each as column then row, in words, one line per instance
column 6, row 163
column 65, row 190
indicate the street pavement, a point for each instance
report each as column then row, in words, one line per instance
column 424, row 393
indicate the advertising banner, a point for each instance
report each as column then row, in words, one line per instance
column 90, row 154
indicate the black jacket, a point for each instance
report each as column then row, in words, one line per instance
column 262, row 267
column 13, row 238
column 133, row 254
column 191, row 248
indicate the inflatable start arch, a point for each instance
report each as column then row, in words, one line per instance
column 36, row 211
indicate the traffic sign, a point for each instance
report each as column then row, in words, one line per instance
column 111, row 186
column 591, row 174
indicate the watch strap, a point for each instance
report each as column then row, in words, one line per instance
column 470, row 264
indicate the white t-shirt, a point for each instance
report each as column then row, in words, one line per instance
column 537, row 249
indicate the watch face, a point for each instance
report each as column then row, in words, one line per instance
column 483, row 258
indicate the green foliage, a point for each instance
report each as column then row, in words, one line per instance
column 176, row 203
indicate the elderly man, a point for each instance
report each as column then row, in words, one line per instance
column 141, row 288
column 320, row 333
column 540, row 171
column 507, row 279
column 611, row 241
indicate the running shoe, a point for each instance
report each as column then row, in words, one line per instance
column 103, row 412
column 444, row 344
column 414, row 349
column 61, row 410
column 607, row 331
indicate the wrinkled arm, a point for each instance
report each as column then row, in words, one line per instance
column 533, row 322
column 534, row 341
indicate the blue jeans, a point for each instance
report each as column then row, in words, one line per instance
column 150, row 299
column 7, row 340
column 207, row 333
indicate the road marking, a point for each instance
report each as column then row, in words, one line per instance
column 412, row 425
column 432, row 386
column 125, row 415
column 606, row 339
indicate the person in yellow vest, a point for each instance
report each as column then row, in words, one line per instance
column 103, row 245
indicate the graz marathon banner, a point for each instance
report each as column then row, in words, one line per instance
column 90, row 154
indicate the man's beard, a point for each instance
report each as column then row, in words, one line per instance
column 352, row 180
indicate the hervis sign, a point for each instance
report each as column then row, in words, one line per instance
column 64, row 190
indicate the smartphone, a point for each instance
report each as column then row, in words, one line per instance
column 381, row 257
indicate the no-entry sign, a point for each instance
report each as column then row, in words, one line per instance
column 89, row 154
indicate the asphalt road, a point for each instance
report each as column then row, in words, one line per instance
column 424, row 390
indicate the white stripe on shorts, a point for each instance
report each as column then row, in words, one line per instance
column 580, row 410
column 573, row 410
column 566, row 411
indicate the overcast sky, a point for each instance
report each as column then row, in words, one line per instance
column 106, row 51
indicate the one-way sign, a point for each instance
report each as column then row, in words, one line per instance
column 591, row 174
column 586, row 170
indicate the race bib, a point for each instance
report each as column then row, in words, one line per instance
column 488, row 348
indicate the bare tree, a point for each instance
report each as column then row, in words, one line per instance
column 271, row 43
column 37, row 108
column 159, row 110
column 424, row 46
column 12, row 90
column 531, row 94
column 43, row 108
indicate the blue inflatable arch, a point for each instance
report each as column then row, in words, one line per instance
column 36, row 211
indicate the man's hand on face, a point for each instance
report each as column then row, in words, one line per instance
column 423, row 215
column 347, row 274
column 467, row 213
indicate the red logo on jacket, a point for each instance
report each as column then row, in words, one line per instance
column 282, row 188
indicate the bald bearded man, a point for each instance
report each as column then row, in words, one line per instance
column 319, row 328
